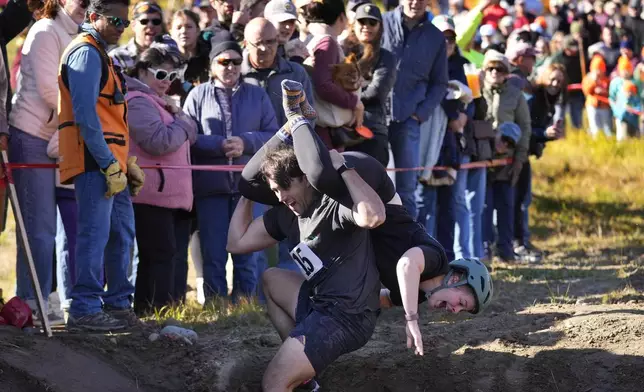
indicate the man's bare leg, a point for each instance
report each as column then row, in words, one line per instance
column 288, row 369
column 281, row 288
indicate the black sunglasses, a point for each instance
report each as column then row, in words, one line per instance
column 450, row 38
column 227, row 62
column 368, row 22
column 155, row 21
column 498, row 69
column 116, row 21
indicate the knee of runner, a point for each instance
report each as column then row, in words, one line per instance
column 268, row 278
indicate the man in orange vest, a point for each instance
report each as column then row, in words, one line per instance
column 94, row 141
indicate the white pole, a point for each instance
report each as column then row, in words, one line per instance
column 23, row 233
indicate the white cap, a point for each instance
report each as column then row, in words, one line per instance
column 487, row 30
column 280, row 11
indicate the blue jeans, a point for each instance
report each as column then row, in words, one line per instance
column 104, row 242
column 499, row 197
column 576, row 108
column 66, row 245
column 436, row 213
column 469, row 201
column 404, row 138
column 35, row 189
column 213, row 215
column 522, row 201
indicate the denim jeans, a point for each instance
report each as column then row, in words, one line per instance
column 213, row 215
column 66, row 230
column 499, row 197
column 576, row 109
column 404, row 138
column 104, row 242
column 35, row 189
column 469, row 201
column 522, row 201
column 599, row 119
column 436, row 213
column 182, row 231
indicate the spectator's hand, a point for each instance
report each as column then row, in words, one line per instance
column 4, row 146
column 115, row 178
column 599, row 90
column 233, row 147
column 415, row 117
column 458, row 124
column 553, row 132
column 414, row 337
column 171, row 105
column 515, row 171
column 241, row 17
column 358, row 113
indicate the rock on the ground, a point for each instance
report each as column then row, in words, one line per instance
column 178, row 333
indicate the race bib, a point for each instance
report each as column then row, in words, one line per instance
column 308, row 261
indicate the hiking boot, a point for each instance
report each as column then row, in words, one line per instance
column 311, row 385
column 126, row 315
column 97, row 322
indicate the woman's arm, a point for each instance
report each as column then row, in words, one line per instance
column 408, row 270
column 149, row 132
column 325, row 54
column 45, row 54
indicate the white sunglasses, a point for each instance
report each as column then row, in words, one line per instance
column 162, row 74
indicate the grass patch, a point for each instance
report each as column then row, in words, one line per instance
column 588, row 192
column 219, row 313
column 626, row 294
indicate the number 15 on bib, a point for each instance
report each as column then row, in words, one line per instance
column 309, row 263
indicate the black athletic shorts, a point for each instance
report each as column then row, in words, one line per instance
column 328, row 332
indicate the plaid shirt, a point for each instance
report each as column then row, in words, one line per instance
column 125, row 56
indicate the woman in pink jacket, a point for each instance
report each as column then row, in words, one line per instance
column 161, row 134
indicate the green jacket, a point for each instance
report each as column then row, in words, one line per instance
column 508, row 104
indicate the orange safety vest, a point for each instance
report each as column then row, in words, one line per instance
column 111, row 108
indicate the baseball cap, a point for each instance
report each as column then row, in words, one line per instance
column 280, row 11
column 368, row 11
column 496, row 57
column 353, row 5
column 444, row 23
column 146, row 7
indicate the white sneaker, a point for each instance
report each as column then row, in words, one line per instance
column 54, row 319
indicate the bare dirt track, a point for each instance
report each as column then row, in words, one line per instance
column 575, row 323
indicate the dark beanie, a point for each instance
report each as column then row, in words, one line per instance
column 221, row 42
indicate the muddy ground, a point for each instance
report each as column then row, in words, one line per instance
column 575, row 323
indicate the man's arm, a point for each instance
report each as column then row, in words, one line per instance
column 4, row 86
column 83, row 76
column 246, row 235
column 437, row 87
column 368, row 210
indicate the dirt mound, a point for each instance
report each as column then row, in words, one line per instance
column 545, row 348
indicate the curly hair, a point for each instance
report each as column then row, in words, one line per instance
column 280, row 165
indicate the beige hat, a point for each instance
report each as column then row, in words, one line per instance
column 494, row 56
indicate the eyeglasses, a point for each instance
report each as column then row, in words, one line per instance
column 227, row 62
column 368, row 22
column 116, row 21
column 450, row 39
column 155, row 21
column 266, row 43
column 498, row 69
column 162, row 74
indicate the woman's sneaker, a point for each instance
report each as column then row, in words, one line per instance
column 97, row 322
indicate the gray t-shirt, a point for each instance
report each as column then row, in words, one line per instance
column 333, row 253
